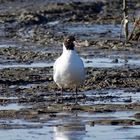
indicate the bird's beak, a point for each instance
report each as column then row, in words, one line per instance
column 77, row 45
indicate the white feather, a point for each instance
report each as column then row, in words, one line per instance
column 68, row 69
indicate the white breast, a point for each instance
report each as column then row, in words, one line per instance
column 69, row 69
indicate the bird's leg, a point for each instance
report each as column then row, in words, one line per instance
column 61, row 95
column 59, row 99
column 76, row 101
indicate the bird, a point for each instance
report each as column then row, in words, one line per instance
column 68, row 69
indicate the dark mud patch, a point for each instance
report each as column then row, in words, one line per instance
column 17, row 126
column 116, row 122
column 115, row 79
column 27, row 56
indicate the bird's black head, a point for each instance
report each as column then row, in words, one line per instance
column 69, row 42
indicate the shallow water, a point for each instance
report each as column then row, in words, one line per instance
column 102, row 63
column 90, row 133
column 94, row 30
column 7, row 46
column 2, row 33
column 113, row 132
column 12, row 106
column 113, row 96
column 32, row 65
column 71, row 128
column 28, row 134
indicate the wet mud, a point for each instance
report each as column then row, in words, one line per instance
column 31, row 35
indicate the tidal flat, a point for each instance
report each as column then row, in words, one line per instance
column 31, row 36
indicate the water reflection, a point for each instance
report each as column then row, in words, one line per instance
column 73, row 129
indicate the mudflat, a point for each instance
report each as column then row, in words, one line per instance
column 31, row 35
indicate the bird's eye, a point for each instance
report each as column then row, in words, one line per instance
column 68, row 40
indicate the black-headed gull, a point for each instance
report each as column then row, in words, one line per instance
column 69, row 68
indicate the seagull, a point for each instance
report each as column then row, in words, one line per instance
column 68, row 69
